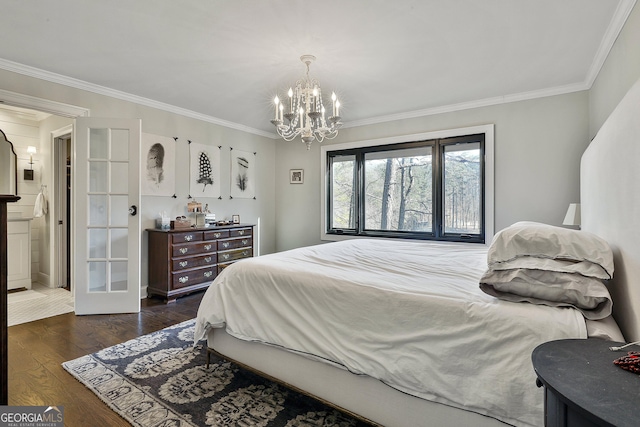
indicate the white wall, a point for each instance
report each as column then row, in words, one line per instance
column 538, row 148
column 164, row 123
column 538, row 144
column 619, row 72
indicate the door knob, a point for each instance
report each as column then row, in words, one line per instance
column 133, row 210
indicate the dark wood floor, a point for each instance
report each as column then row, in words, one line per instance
column 37, row 350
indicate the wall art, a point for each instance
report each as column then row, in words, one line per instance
column 158, row 168
column 243, row 174
column 296, row 176
column 204, row 170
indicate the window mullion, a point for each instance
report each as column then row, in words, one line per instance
column 360, row 205
column 437, row 190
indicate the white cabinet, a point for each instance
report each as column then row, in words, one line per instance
column 19, row 253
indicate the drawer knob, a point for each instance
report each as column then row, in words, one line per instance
column 188, row 237
column 183, row 279
column 225, row 256
column 184, row 250
column 207, row 247
column 184, row 263
column 208, row 274
column 245, row 253
column 207, row 259
column 216, row 235
column 245, row 241
column 225, row 244
column 241, row 232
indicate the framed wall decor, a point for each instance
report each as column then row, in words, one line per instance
column 158, row 169
column 296, row 176
column 235, row 219
column 243, row 174
column 204, row 170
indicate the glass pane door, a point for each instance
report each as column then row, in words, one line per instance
column 108, row 231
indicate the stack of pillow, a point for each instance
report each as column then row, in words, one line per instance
column 544, row 264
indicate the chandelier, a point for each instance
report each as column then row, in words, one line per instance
column 305, row 114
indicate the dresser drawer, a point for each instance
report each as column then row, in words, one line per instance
column 223, row 266
column 191, row 277
column 182, row 261
column 186, row 237
column 241, row 232
column 235, row 254
column 193, row 262
column 216, row 234
column 193, row 248
column 235, row 243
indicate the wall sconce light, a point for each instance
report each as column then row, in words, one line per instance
column 28, row 173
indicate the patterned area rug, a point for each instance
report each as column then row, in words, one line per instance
column 160, row 379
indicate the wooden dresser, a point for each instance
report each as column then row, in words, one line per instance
column 187, row 260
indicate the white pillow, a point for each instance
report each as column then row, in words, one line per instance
column 585, row 268
column 586, row 294
column 532, row 239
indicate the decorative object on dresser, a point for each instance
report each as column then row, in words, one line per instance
column 182, row 261
column 583, row 387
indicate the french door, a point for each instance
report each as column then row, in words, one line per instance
column 106, row 232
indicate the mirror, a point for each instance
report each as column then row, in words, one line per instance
column 8, row 167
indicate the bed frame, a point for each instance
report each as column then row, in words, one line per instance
column 610, row 172
column 359, row 395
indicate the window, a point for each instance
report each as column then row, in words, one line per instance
column 428, row 189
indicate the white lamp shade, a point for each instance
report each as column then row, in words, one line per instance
column 573, row 215
column 31, row 149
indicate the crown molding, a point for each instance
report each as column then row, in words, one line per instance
column 524, row 96
column 606, row 44
column 102, row 90
column 52, row 107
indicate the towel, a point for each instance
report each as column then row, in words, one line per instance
column 40, row 208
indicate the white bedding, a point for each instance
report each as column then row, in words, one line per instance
column 410, row 314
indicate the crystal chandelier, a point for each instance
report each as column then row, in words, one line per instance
column 306, row 112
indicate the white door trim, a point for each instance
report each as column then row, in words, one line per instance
column 55, row 254
column 58, row 109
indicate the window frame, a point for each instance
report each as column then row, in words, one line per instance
column 407, row 141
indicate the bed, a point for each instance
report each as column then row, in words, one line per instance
column 444, row 336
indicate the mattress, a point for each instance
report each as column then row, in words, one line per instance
column 407, row 313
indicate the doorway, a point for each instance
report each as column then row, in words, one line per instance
column 63, row 196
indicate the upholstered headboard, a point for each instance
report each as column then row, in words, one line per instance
column 610, row 198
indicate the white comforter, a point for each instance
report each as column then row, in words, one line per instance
column 410, row 314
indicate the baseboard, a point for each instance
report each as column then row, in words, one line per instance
column 44, row 279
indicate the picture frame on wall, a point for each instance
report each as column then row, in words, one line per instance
column 204, row 170
column 296, row 176
column 243, row 174
column 158, row 167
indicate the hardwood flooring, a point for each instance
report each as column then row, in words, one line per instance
column 37, row 350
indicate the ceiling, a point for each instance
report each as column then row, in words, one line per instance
column 224, row 61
